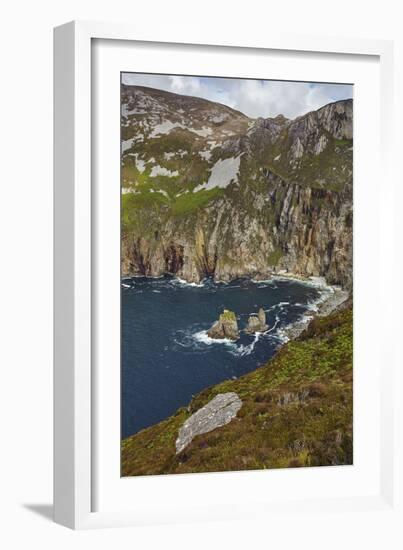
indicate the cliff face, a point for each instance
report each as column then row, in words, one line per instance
column 209, row 192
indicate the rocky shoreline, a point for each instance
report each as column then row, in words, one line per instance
column 336, row 300
column 266, row 419
column 226, row 326
column 223, row 408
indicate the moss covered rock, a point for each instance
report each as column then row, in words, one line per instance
column 225, row 327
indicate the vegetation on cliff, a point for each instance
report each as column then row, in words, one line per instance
column 296, row 411
column 263, row 195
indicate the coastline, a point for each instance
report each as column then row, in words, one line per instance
column 269, row 432
column 331, row 299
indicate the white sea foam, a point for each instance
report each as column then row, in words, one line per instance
column 284, row 334
column 185, row 283
column 262, row 281
column 281, row 335
column 203, row 338
column 274, row 326
column 243, row 350
column 274, row 306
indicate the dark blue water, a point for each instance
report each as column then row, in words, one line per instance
column 166, row 355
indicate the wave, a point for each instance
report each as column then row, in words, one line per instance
column 203, row 338
column 182, row 282
column 262, row 281
column 281, row 335
column 195, row 338
column 198, row 340
column 242, row 349
column 313, row 282
column 293, row 329
column 324, row 294
column 274, row 326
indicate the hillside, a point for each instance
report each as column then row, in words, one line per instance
column 207, row 191
column 296, row 411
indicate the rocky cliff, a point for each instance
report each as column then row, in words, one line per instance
column 207, row 191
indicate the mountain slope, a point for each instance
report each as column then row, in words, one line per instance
column 296, row 411
column 207, row 191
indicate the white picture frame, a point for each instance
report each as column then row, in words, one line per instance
column 77, row 472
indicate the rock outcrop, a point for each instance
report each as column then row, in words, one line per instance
column 257, row 323
column 209, row 192
column 225, row 327
column 218, row 412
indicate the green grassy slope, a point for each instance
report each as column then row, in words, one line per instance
column 297, row 411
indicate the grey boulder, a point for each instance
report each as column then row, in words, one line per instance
column 218, row 412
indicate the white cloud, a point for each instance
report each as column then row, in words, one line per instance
column 265, row 98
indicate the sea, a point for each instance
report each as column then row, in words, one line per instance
column 166, row 355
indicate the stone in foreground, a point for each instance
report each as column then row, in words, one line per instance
column 225, row 327
column 218, row 412
column 257, row 324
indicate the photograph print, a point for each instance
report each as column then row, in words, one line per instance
column 236, row 274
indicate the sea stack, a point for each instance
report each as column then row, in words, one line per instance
column 225, row 327
column 257, row 323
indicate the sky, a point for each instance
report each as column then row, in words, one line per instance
column 254, row 98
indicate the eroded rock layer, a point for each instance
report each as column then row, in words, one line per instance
column 209, row 192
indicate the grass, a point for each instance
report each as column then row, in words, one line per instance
column 190, row 202
column 146, row 210
column 274, row 257
column 227, row 315
column 179, row 206
column 324, row 170
column 139, row 208
column 296, row 411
